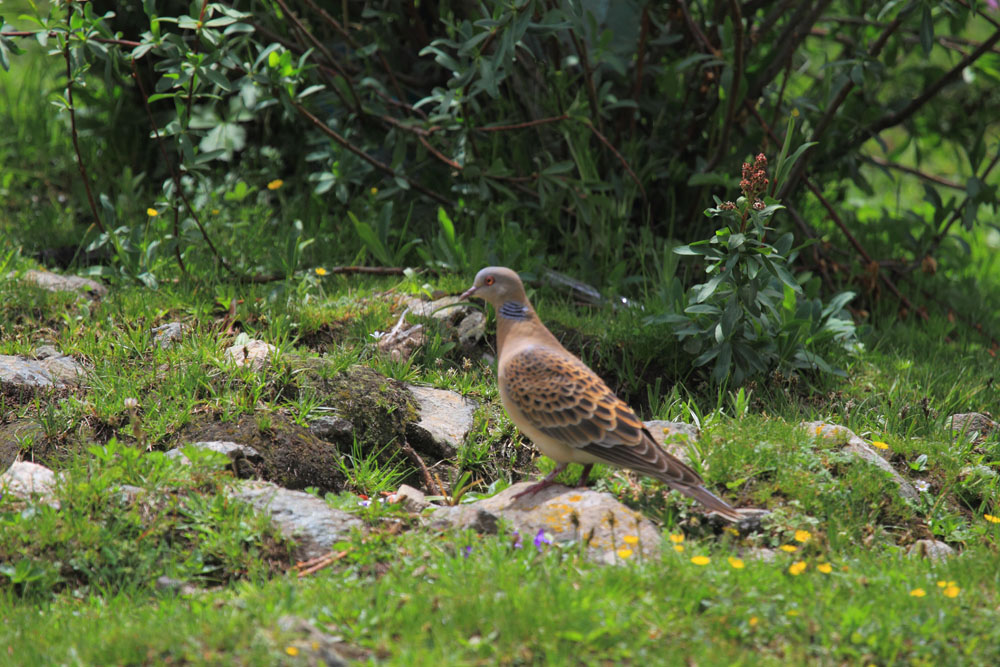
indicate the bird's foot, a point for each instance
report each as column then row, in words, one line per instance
column 549, row 480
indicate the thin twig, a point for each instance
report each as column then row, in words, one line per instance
column 897, row 117
column 73, row 131
column 166, row 161
column 328, row 131
column 429, row 484
column 314, row 565
column 734, row 87
column 931, row 178
column 522, row 126
column 621, row 158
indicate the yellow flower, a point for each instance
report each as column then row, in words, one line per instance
column 631, row 539
column 951, row 591
column 819, row 429
column 676, row 538
column 732, row 531
column 624, row 553
column 152, row 212
column 942, row 584
column 736, row 563
column 679, row 548
column 291, row 650
column 374, row 191
column 215, row 211
column 275, row 184
column 802, row 535
column 753, row 621
column 320, row 271
column 825, row 568
column 797, row 568
column 701, row 560
column 795, row 113
column 790, row 548
column 991, row 518
column 879, row 445
column 918, row 593
column 792, row 612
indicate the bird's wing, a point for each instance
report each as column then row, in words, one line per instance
column 568, row 402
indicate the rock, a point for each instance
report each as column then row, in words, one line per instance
column 673, row 436
column 935, row 550
column 861, row 449
column 22, row 374
column 15, row 437
column 167, row 334
column 165, row 583
column 254, row 353
column 974, row 425
column 290, row 455
column 314, row 525
column 235, row 451
column 55, row 282
column 444, row 420
column 413, row 500
column 128, row 494
column 472, row 328
column 332, row 429
column 25, row 479
column 445, row 309
column 564, row 515
column 316, row 647
column 401, row 342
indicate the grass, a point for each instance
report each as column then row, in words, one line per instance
column 78, row 584
column 405, row 598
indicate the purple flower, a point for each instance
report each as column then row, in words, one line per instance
column 541, row 539
column 993, row 4
column 468, row 550
column 517, row 540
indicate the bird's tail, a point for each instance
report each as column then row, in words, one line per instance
column 711, row 501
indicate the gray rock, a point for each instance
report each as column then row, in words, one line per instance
column 233, row 450
column 472, row 328
column 167, row 334
column 673, row 436
column 445, row 420
column 314, row 646
column 313, row 524
column 861, row 449
column 49, row 372
column 934, row 550
column 47, row 351
column 25, row 480
column 165, row 583
column 254, row 353
column 564, row 515
column 973, row 424
column 55, row 282
column 331, row 429
column 444, row 309
column 413, row 500
column 128, row 494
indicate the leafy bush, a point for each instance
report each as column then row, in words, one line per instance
column 749, row 317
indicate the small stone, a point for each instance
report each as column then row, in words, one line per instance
column 314, row 525
column 934, row 550
column 445, row 420
column 331, row 429
column 472, row 328
column 165, row 583
column 25, row 480
column 673, row 436
column 49, row 372
column 55, row 282
column 973, row 424
column 861, row 449
column 413, row 500
column 167, row 334
column 254, row 353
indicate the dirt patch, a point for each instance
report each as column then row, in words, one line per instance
column 291, row 456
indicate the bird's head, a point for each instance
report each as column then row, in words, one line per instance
column 497, row 285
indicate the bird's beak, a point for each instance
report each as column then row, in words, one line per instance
column 467, row 293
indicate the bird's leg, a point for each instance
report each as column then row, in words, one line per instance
column 585, row 474
column 548, row 481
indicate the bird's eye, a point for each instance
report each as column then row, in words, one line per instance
column 488, row 281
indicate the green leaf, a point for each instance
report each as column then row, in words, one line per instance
column 927, row 30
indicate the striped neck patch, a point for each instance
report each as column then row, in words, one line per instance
column 514, row 310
